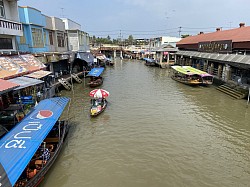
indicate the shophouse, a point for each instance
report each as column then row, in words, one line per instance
column 163, row 49
column 10, row 27
column 223, row 53
column 33, row 39
column 77, row 39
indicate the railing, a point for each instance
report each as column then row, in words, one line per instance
column 10, row 25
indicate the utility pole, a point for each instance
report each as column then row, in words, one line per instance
column 179, row 32
column 62, row 12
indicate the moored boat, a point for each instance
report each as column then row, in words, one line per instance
column 206, row 78
column 95, row 78
column 185, row 76
column 23, row 162
column 149, row 62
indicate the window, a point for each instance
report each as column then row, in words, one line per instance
column 37, row 37
column 51, row 38
column 22, row 39
column 6, row 43
column 2, row 13
column 45, row 38
column 60, row 39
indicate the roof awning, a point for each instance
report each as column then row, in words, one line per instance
column 38, row 74
column 230, row 58
column 88, row 57
column 19, row 145
column 25, row 82
column 95, row 72
column 6, row 86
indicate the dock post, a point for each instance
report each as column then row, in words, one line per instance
column 248, row 96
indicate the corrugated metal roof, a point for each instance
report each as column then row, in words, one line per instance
column 236, row 35
column 25, row 82
column 38, row 74
column 243, row 59
column 6, row 86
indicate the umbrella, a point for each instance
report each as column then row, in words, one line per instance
column 99, row 93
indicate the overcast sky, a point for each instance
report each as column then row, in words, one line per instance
column 147, row 18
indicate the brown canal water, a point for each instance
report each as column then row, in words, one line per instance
column 155, row 132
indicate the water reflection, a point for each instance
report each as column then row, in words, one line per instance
column 154, row 132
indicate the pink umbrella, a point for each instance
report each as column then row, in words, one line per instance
column 99, row 93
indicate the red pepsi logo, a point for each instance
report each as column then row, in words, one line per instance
column 42, row 114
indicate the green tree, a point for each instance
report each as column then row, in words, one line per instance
column 130, row 39
column 185, row 35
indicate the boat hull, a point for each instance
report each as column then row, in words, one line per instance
column 38, row 178
column 94, row 111
column 186, row 81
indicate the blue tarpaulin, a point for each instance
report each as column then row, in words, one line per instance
column 149, row 60
column 19, row 145
column 96, row 72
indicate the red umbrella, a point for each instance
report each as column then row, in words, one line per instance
column 99, row 93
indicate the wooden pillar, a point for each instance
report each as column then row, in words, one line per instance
column 198, row 66
column 205, row 66
column 211, row 69
column 219, row 71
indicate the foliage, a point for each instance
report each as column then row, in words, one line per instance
column 185, row 35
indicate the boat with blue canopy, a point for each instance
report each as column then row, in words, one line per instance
column 149, row 62
column 96, row 72
column 95, row 78
column 41, row 130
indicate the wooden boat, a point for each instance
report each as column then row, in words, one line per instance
column 39, row 132
column 109, row 62
column 95, row 81
column 95, row 78
column 149, row 62
column 97, row 106
column 186, row 77
column 206, row 78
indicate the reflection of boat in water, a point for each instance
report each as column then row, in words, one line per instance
column 32, row 146
column 97, row 106
column 185, row 76
column 95, row 78
column 206, row 78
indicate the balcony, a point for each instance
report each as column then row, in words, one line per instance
column 8, row 27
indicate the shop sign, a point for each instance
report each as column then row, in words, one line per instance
column 215, row 46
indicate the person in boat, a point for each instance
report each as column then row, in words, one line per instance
column 44, row 154
column 31, row 173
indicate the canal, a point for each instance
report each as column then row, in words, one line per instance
column 155, row 132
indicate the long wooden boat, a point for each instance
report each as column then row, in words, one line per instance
column 189, row 81
column 185, row 76
column 97, row 106
column 25, row 145
column 206, row 78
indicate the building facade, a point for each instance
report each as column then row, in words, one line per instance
column 33, row 22
column 224, row 54
column 10, row 27
column 77, row 39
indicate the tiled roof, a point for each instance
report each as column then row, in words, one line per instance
column 6, row 86
column 241, row 34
